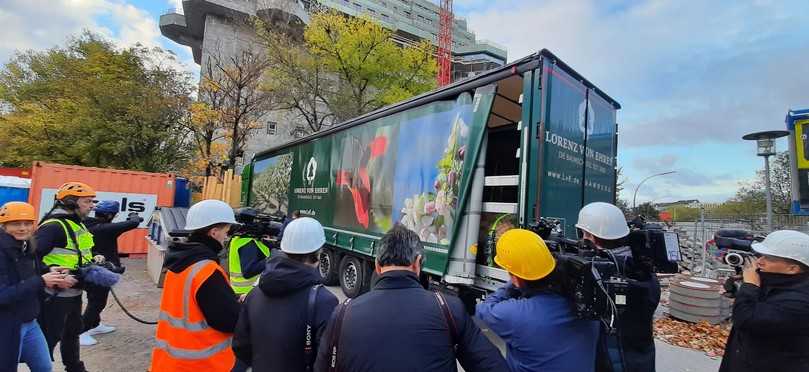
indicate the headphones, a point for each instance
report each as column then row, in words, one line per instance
column 69, row 202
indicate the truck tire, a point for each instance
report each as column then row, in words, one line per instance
column 353, row 276
column 328, row 266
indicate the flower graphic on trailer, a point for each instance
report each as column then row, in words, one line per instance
column 429, row 169
column 357, row 181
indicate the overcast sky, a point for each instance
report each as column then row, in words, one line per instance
column 692, row 76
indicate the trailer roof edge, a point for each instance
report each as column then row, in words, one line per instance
column 517, row 67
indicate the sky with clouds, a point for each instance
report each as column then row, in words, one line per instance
column 692, row 77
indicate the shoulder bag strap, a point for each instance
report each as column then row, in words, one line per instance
column 450, row 320
column 308, row 347
column 334, row 340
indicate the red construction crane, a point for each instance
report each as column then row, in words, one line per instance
column 445, row 43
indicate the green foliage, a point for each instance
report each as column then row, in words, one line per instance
column 647, row 210
column 681, row 213
column 344, row 67
column 89, row 103
column 751, row 198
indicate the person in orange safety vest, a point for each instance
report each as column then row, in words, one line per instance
column 198, row 309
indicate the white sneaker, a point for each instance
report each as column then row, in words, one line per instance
column 100, row 330
column 86, row 340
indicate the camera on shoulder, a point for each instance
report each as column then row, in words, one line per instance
column 596, row 281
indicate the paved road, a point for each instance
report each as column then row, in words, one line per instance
column 669, row 358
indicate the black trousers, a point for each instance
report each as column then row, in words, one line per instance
column 60, row 320
column 96, row 302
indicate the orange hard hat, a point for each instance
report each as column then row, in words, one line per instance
column 74, row 189
column 17, row 211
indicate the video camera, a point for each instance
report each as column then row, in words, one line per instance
column 737, row 258
column 737, row 245
column 258, row 226
column 653, row 245
column 595, row 280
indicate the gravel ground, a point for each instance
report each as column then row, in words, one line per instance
column 129, row 347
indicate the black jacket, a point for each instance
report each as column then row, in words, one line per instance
column 218, row 303
column 271, row 331
column 105, row 236
column 636, row 323
column 20, row 288
column 399, row 326
column 770, row 326
column 252, row 259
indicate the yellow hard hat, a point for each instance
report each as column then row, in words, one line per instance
column 524, row 254
column 78, row 189
column 17, row 211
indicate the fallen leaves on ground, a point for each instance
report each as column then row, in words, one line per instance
column 700, row 336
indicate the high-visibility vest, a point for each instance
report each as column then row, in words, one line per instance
column 184, row 340
column 68, row 256
column 238, row 282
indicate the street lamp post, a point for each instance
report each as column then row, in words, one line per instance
column 635, row 195
column 765, row 146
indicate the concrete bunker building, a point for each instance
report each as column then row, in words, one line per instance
column 220, row 26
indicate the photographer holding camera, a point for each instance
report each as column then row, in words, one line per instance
column 65, row 244
column 604, row 226
column 771, row 312
column 247, row 253
column 531, row 314
column 105, row 234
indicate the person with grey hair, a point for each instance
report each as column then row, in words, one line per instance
column 400, row 326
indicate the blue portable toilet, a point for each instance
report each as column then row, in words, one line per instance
column 14, row 189
column 182, row 193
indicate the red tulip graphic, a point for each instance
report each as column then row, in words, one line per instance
column 358, row 181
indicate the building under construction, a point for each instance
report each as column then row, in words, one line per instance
column 219, row 27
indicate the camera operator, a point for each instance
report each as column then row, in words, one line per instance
column 530, row 313
column 247, row 253
column 771, row 312
column 604, row 225
column 105, row 234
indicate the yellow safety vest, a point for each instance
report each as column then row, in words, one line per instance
column 68, row 256
column 238, row 282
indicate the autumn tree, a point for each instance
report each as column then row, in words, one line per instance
column 298, row 80
column 647, row 210
column 90, row 103
column 753, row 195
column 229, row 89
column 621, row 203
column 342, row 67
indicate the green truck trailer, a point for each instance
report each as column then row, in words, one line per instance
column 456, row 165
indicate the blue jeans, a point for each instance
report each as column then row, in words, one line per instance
column 34, row 348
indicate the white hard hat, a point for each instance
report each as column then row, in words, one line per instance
column 785, row 244
column 303, row 236
column 603, row 220
column 208, row 212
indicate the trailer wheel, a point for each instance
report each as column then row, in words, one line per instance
column 328, row 266
column 352, row 276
